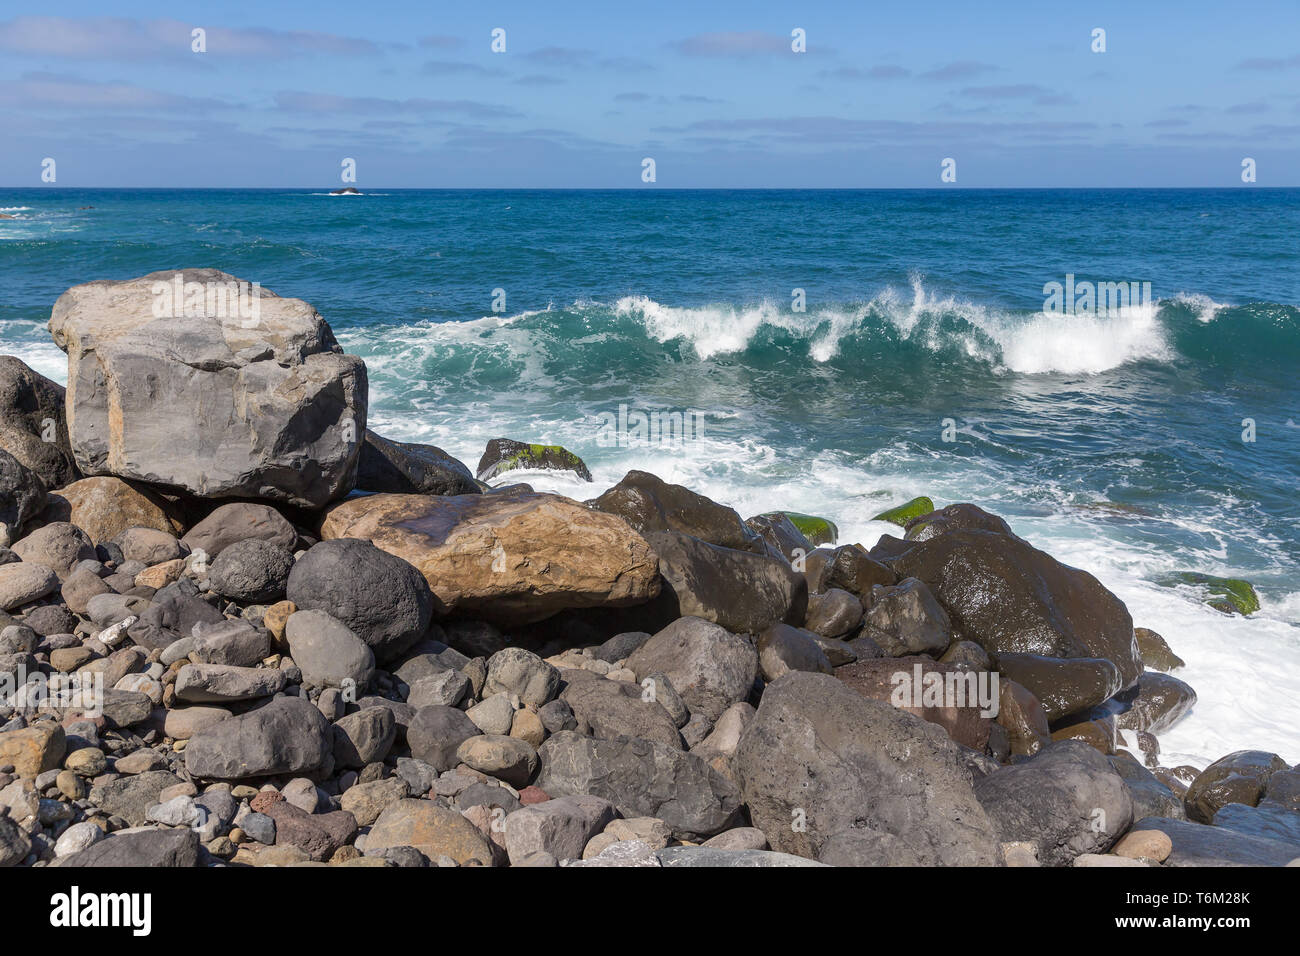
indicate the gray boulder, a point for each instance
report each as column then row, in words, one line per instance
column 251, row 571
column 435, row 733
column 709, row 667
column 384, row 600
column 514, row 670
column 561, row 827
column 286, row 736
column 22, row 496
column 616, row 708
column 1067, row 800
column 269, row 405
column 642, row 779
column 240, row 521
column 821, row 756
column 906, row 619
column 327, row 651
column 32, row 426
column 139, row 848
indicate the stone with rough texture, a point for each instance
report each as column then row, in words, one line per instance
column 505, row 454
column 506, row 758
column 225, row 683
column 782, row 648
column 1196, row 844
column 709, row 667
column 22, row 497
column 382, row 598
column 561, row 827
column 865, row 775
column 1067, row 800
column 519, row 672
column 269, row 405
column 435, row 733
column 287, row 735
column 691, row 856
column 506, row 559
column 739, row 590
column 141, row 848
column 650, row 504
column 33, row 750
column 618, row 708
column 895, row 680
column 32, row 424
column 105, row 506
column 251, row 572
column 641, row 778
column 131, row 797
column 58, row 546
column 1239, row 777
column 1011, row 598
column 431, row 829
column 364, row 737
column 406, row 468
column 239, row 521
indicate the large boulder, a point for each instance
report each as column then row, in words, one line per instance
column 382, row 598
column 431, row 829
column 32, row 426
column 1063, row 685
column 710, row 667
column 22, row 497
column 288, row 735
column 1155, row 704
column 104, row 507
column 506, row 559
column 957, row 517
column 1195, row 844
column 328, row 652
column 405, row 468
column 742, row 591
column 649, row 504
column 827, row 773
column 642, row 779
column 153, row 849
column 1067, row 800
column 268, row 404
column 22, row 583
column 614, row 708
column 1011, row 598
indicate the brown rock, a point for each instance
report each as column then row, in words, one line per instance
column 1144, row 845
column 275, row 619
column 35, row 749
column 431, row 829
column 509, row 559
column 161, row 575
column 1099, row 734
column 1023, row 717
column 104, row 507
column 318, row 835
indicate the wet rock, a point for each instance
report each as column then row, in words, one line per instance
column 411, row 469
column 1239, row 777
column 504, row 454
column 650, row 504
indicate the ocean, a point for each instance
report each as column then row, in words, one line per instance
column 926, row 359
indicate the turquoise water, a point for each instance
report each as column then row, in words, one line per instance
column 1113, row 441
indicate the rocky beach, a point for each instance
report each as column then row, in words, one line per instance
column 240, row 628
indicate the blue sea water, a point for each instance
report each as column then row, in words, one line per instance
column 1113, row 441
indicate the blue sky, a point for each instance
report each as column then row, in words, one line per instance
column 413, row 92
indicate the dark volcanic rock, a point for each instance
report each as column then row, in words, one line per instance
column 649, row 504
column 414, row 469
column 1067, row 800
column 240, row 521
column 708, row 666
column 906, row 619
column 1011, row 598
column 616, row 709
column 381, row 598
column 782, row 648
column 143, row 848
column 918, row 686
column 1196, row 844
column 287, row 735
column 1155, row 704
column 780, row 533
column 22, row 495
column 1063, row 685
column 436, row 732
column 741, row 591
column 819, row 754
column 641, row 778
column 32, row 424
column 252, row 572
column 959, row 517
column 1240, row 777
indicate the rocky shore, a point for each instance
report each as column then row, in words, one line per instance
column 239, row 628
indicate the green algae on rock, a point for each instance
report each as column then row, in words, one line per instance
column 906, row 512
column 1229, row 595
column 817, row 530
column 505, row 454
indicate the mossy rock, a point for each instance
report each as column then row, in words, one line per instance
column 505, row 454
column 817, row 530
column 905, row 513
column 1228, row 595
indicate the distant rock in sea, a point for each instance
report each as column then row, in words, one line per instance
column 346, row 191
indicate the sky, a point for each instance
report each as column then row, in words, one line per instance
column 1012, row 92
